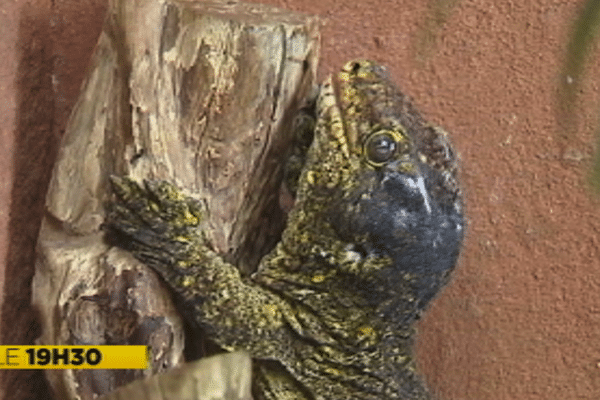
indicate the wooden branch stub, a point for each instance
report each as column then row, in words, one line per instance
column 200, row 94
column 221, row 377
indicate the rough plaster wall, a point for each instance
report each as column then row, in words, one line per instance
column 522, row 317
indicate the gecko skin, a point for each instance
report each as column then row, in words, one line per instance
column 373, row 236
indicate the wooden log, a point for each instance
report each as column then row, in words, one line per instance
column 221, row 377
column 198, row 93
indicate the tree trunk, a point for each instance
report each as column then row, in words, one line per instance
column 197, row 93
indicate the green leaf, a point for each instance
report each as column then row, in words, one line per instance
column 594, row 178
column 585, row 31
column 438, row 14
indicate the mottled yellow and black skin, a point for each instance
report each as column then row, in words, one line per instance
column 375, row 231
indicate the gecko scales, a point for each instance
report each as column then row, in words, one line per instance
column 374, row 233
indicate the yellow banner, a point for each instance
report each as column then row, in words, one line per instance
column 73, row 357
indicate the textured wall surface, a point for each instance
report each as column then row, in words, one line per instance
column 522, row 318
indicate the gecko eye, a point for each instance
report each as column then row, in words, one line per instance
column 380, row 147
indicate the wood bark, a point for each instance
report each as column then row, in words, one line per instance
column 224, row 376
column 198, row 93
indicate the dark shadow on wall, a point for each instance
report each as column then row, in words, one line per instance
column 34, row 151
column 53, row 56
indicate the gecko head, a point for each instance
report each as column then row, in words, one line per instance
column 383, row 179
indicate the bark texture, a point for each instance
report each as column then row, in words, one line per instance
column 197, row 93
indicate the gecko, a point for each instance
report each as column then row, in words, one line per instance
column 373, row 236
